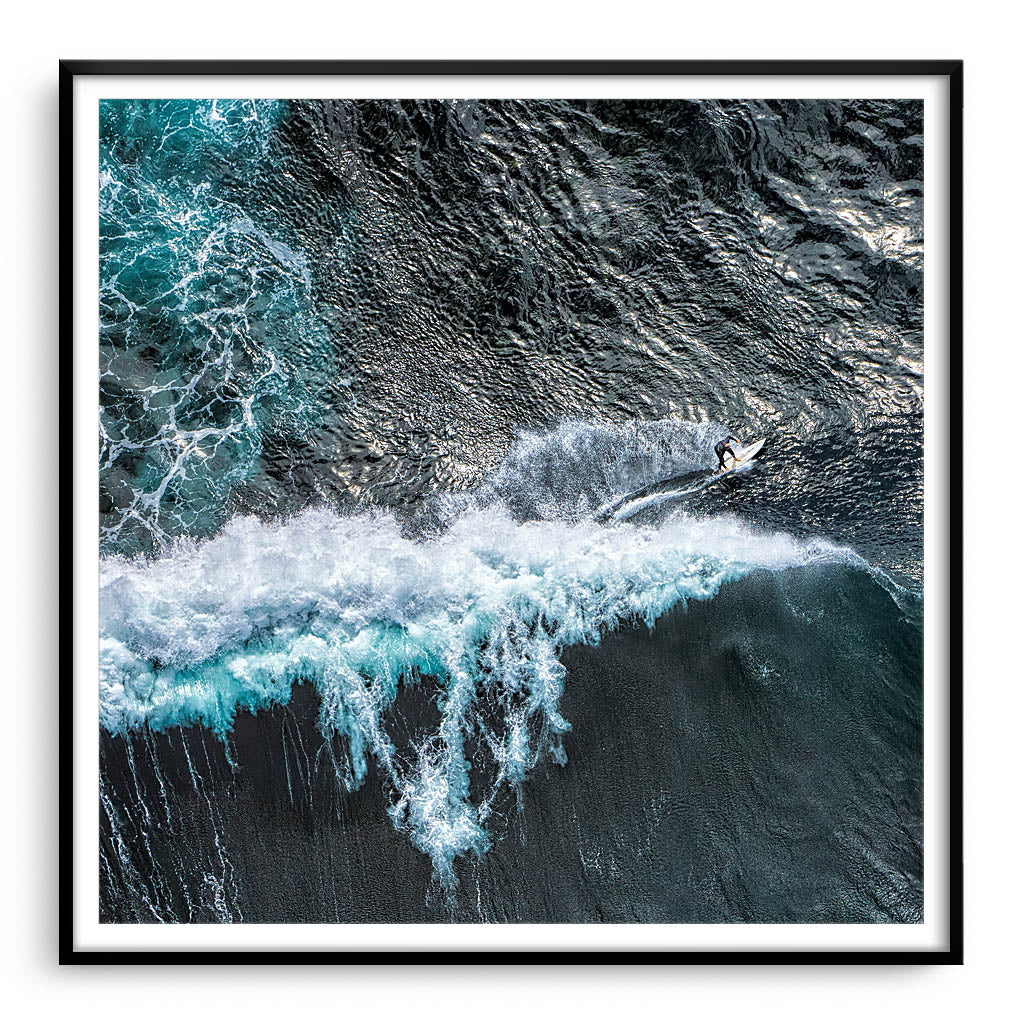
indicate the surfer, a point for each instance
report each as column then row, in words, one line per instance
column 721, row 449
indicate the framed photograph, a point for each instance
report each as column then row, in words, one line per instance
column 514, row 511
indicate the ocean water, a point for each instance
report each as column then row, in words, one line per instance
column 419, row 597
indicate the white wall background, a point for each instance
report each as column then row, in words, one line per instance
column 984, row 33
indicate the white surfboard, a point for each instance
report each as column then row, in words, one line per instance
column 744, row 455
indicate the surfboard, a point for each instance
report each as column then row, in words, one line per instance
column 744, row 455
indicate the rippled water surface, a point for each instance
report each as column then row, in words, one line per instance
column 409, row 530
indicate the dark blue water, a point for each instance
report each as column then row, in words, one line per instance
column 419, row 597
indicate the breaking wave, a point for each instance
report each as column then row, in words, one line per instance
column 475, row 615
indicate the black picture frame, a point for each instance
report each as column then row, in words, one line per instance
column 953, row 70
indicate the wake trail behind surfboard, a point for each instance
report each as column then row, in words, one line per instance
column 675, row 489
column 629, row 504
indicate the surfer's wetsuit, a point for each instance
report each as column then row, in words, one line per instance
column 721, row 448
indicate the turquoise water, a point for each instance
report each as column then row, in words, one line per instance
column 209, row 337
